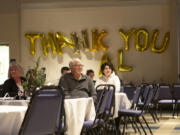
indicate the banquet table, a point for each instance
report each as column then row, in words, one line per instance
column 12, row 113
column 121, row 102
column 11, row 118
column 76, row 111
column 14, row 102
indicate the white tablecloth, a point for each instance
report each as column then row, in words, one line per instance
column 11, row 118
column 121, row 102
column 78, row 110
column 14, row 102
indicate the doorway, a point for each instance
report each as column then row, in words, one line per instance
column 4, row 62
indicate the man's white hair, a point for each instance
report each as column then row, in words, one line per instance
column 71, row 63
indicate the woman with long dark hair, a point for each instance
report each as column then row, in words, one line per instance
column 108, row 76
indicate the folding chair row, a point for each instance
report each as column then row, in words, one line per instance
column 176, row 96
column 164, row 97
column 133, row 115
column 151, row 107
column 104, row 110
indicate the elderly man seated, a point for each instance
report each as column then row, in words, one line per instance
column 76, row 84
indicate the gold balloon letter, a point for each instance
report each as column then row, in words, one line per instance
column 126, row 36
column 144, row 46
column 75, row 39
column 85, row 40
column 43, row 43
column 97, row 40
column 46, row 43
column 94, row 40
column 62, row 41
column 164, row 43
column 120, row 62
column 32, row 37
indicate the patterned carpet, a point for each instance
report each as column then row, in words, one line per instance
column 166, row 126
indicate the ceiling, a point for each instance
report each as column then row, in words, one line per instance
column 12, row 6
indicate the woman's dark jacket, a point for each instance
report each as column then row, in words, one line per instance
column 10, row 87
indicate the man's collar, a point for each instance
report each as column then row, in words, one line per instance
column 82, row 78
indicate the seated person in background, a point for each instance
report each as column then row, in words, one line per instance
column 76, row 84
column 13, row 62
column 14, row 84
column 90, row 73
column 65, row 70
column 43, row 74
column 108, row 76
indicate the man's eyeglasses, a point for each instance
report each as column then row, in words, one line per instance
column 78, row 65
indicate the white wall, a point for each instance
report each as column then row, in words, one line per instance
column 9, row 27
column 147, row 65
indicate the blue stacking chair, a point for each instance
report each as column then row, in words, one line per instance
column 144, row 91
column 122, row 88
column 129, row 90
column 164, row 97
column 135, row 114
column 151, row 107
column 104, row 110
column 176, row 95
column 1, row 91
column 134, row 103
column 45, row 112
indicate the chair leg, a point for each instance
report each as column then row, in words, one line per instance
column 147, row 125
column 137, row 118
column 117, row 124
column 174, row 109
column 177, row 109
column 152, row 115
column 93, row 132
column 136, row 125
column 160, row 110
column 155, row 113
column 132, row 124
column 125, row 123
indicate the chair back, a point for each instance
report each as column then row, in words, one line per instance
column 45, row 111
column 164, row 92
column 155, row 93
column 136, row 95
column 150, row 95
column 144, row 91
column 1, row 91
column 122, row 88
column 148, row 98
column 176, row 91
column 129, row 90
column 105, row 101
